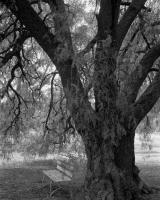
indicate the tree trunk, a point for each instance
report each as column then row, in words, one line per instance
column 111, row 171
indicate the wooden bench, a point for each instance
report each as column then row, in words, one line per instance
column 65, row 168
column 63, row 172
column 64, row 175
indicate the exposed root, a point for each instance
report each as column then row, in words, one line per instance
column 143, row 187
column 150, row 189
column 119, row 185
column 156, row 188
column 146, row 189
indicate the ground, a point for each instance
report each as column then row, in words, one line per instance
column 23, row 182
column 26, row 181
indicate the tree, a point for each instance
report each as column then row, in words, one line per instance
column 108, row 127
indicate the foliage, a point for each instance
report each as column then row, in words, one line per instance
column 32, row 96
column 32, row 99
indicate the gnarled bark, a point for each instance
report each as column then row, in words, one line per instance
column 111, row 170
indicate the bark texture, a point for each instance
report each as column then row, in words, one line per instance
column 111, row 171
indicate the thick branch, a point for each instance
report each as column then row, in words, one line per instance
column 129, row 3
column 108, row 18
column 127, row 19
column 34, row 24
column 135, row 80
column 50, row 44
column 59, row 49
column 147, row 100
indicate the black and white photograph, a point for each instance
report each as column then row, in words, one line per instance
column 79, row 99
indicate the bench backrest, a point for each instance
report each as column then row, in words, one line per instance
column 67, row 168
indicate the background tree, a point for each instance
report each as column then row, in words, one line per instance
column 101, row 83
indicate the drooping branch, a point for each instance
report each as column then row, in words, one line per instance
column 11, row 29
column 59, row 49
column 127, row 19
column 16, row 100
column 136, row 78
column 147, row 100
column 33, row 22
column 47, row 40
column 10, row 81
column 16, row 48
column 51, row 102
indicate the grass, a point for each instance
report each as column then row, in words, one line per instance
column 26, row 181
column 23, row 179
